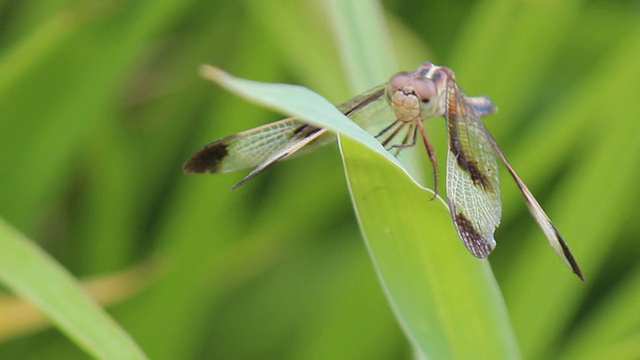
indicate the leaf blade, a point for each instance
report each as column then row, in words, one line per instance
column 32, row 274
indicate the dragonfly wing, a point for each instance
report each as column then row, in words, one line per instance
column 473, row 184
column 246, row 149
column 370, row 110
column 555, row 239
column 482, row 104
column 299, row 141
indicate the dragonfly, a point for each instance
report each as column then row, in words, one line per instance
column 394, row 112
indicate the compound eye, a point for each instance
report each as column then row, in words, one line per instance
column 425, row 89
column 400, row 80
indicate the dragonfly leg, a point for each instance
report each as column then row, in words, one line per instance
column 386, row 130
column 406, row 142
column 399, row 126
column 432, row 157
column 412, row 133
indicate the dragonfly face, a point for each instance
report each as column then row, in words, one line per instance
column 403, row 103
column 417, row 95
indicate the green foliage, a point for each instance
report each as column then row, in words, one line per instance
column 100, row 103
column 33, row 275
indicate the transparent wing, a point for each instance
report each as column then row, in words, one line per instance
column 553, row 236
column 370, row 109
column 299, row 141
column 473, row 184
column 248, row 148
column 482, row 104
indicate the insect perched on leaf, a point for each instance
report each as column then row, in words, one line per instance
column 395, row 112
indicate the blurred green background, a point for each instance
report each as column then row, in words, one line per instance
column 100, row 103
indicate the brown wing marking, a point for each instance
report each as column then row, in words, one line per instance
column 465, row 160
column 208, row 158
column 470, row 237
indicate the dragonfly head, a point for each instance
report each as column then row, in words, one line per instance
column 418, row 95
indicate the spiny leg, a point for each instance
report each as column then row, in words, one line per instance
column 389, row 127
column 432, row 157
column 412, row 134
column 400, row 125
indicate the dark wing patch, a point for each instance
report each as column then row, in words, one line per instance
column 470, row 237
column 459, row 142
column 208, row 158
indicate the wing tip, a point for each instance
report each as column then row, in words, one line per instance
column 566, row 254
column 573, row 264
column 578, row 272
column 477, row 244
column 207, row 159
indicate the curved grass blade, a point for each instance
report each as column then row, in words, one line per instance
column 32, row 274
column 447, row 302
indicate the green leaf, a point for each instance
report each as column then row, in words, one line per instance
column 446, row 300
column 32, row 274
